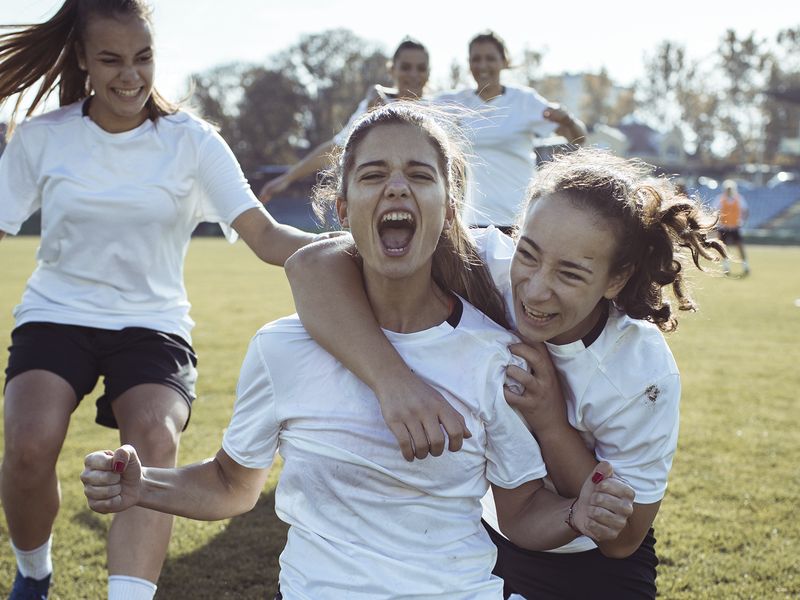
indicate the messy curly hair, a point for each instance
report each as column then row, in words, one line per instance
column 654, row 224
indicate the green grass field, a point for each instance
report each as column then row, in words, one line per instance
column 728, row 527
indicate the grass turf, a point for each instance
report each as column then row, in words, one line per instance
column 727, row 527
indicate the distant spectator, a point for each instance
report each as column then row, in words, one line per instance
column 732, row 216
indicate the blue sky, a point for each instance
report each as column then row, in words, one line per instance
column 579, row 35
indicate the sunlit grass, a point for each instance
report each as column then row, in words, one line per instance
column 727, row 528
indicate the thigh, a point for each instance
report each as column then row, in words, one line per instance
column 151, row 417
column 36, row 412
column 136, row 356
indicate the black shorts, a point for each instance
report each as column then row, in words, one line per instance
column 730, row 236
column 125, row 358
column 580, row 575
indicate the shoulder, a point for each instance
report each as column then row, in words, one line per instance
column 526, row 95
column 186, row 121
column 490, row 241
column 482, row 330
column 70, row 113
column 634, row 351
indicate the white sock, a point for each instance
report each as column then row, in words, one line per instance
column 36, row 563
column 726, row 264
column 122, row 587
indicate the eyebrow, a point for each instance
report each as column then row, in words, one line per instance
column 567, row 263
column 383, row 163
column 114, row 54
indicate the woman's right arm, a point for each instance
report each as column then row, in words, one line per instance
column 314, row 161
column 330, row 299
column 217, row 488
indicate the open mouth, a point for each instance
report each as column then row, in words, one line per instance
column 536, row 315
column 127, row 93
column 396, row 230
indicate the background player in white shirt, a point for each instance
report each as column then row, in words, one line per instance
column 122, row 178
column 599, row 241
column 502, row 125
column 409, row 69
column 364, row 523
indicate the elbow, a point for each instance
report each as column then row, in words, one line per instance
column 617, row 550
column 302, row 261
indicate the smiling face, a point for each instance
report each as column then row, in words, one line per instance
column 561, row 271
column 485, row 63
column 118, row 55
column 410, row 72
column 396, row 201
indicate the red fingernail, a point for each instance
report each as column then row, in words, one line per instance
column 119, row 466
column 597, row 477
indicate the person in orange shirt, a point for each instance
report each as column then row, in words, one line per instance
column 732, row 216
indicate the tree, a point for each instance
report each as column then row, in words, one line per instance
column 336, row 67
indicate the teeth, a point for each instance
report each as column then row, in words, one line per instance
column 128, row 93
column 398, row 215
column 535, row 313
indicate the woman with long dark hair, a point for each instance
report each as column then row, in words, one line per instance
column 122, row 178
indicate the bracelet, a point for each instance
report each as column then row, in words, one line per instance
column 568, row 520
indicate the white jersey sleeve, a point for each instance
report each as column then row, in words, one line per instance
column 251, row 438
column 504, row 452
column 640, row 438
column 19, row 190
column 534, row 107
column 226, row 192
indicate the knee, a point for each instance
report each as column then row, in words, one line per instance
column 155, row 441
column 30, row 452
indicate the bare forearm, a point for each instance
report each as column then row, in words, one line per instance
column 199, row 491
column 330, row 299
column 288, row 241
column 574, row 130
column 314, row 161
column 539, row 524
column 195, row 491
column 568, row 459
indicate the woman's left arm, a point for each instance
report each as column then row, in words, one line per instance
column 271, row 241
column 569, row 462
column 569, row 126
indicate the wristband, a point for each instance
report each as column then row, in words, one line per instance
column 568, row 520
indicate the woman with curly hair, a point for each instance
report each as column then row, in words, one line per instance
column 584, row 283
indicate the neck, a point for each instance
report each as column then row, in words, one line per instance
column 407, row 304
column 490, row 91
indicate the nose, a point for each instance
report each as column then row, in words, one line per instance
column 537, row 288
column 397, row 186
column 129, row 74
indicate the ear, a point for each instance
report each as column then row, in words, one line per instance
column 449, row 214
column 81, row 55
column 341, row 211
column 618, row 282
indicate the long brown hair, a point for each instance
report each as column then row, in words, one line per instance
column 49, row 52
column 655, row 225
column 457, row 267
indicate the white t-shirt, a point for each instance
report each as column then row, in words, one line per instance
column 365, row 523
column 622, row 392
column 502, row 134
column 118, row 210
